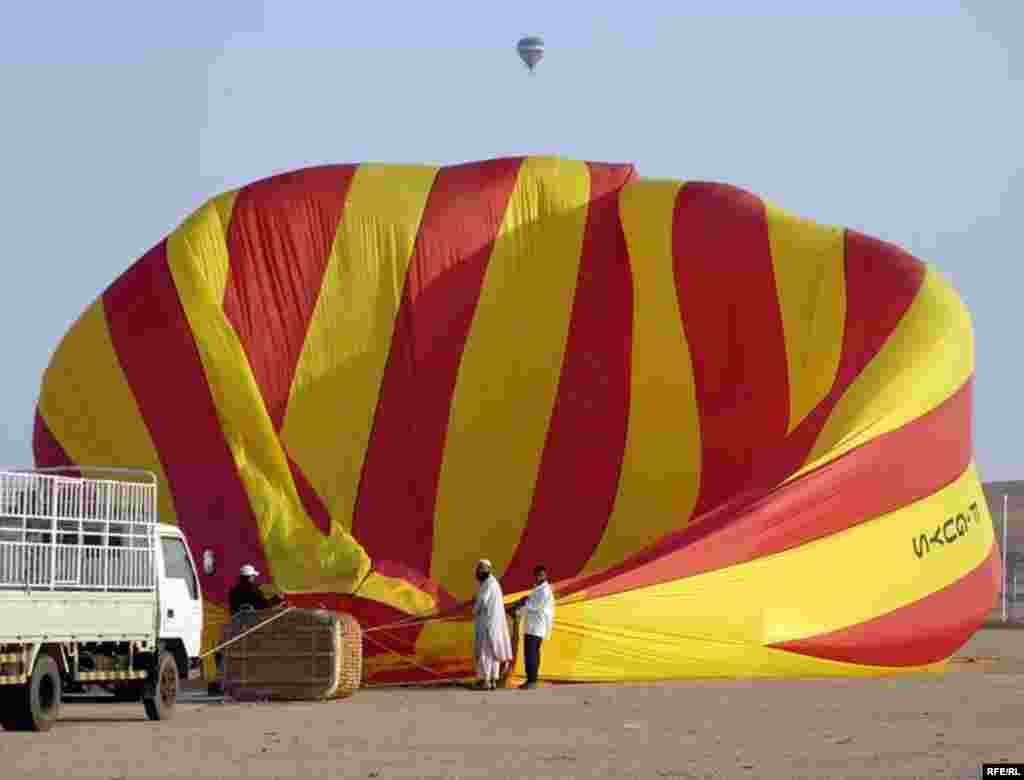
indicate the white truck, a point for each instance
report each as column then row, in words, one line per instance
column 94, row 591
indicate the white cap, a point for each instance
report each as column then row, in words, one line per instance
column 484, row 562
column 248, row 571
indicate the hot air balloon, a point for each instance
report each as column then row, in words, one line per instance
column 531, row 51
column 738, row 440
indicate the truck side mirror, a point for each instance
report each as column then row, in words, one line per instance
column 209, row 562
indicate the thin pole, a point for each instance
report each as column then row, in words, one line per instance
column 1015, row 585
column 1006, row 579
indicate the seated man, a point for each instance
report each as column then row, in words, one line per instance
column 243, row 594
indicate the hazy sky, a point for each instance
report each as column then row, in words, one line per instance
column 119, row 119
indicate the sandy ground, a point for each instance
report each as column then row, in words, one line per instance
column 893, row 728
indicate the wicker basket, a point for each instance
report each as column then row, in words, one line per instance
column 307, row 654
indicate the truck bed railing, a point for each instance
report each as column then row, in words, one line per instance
column 64, row 532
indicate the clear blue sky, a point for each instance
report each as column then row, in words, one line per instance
column 118, row 119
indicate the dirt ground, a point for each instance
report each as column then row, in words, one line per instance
column 892, row 728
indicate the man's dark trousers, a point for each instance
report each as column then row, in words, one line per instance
column 531, row 651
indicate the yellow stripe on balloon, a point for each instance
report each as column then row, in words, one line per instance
column 92, row 412
column 216, row 273
column 928, row 357
column 301, row 558
column 808, row 262
column 397, row 593
column 717, row 623
column 506, row 387
column 215, row 278
column 583, row 650
column 661, row 466
column 333, row 396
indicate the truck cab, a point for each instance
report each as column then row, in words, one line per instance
column 181, row 601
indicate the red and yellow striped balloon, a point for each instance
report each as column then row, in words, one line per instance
column 740, row 441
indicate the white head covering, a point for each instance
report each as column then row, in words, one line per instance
column 248, row 571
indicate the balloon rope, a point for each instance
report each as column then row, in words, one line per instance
column 415, row 621
column 406, row 659
column 398, row 639
column 441, row 678
column 429, row 616
column 422, row 619
column 247, row 632
column 439, row 681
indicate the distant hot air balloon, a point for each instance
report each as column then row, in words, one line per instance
column 531, row 50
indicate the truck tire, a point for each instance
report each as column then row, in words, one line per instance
column 159, row 699
column 35, row 706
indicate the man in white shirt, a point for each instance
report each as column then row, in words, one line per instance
column 539, row 608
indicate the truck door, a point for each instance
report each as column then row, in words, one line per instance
column 180, row 603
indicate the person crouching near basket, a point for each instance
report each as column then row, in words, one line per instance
column 492, row 646
column 245, row 594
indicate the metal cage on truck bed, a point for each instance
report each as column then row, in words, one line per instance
column 68, row 533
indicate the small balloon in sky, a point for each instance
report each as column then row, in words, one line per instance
column 531, row 50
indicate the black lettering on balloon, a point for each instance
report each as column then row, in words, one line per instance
column 948, row 531
column 921, row 545
column 961, row 524
column 950, row 523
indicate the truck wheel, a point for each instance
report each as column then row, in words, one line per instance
column 36, row 705
column 160, row 705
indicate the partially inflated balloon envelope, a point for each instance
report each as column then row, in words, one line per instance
column 739, row 441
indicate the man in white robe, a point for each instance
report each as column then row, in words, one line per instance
column 492, row 646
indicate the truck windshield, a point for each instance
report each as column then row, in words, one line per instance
column 176, row 564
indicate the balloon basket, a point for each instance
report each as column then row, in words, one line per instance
column 307, row 655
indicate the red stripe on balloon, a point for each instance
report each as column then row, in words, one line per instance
column 311, row 502
column 153, row 341
column 586, row 439
column 881, row 281
column 394, row 511
column 893, row 470
column 279, row 241
column 725, row 283
column 929, row 630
